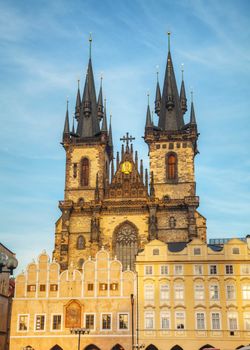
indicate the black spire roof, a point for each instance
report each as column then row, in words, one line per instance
column 66, row 131
column 183, row 99
column 148, row 117
column 171, row 116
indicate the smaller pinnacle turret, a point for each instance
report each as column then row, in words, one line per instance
column 192, row 112
column 158, row 96
column 66, row 132
column 148, row 116
column 110, row 133
column 100, row 112
column 183, row 99
column 104, row 122
column 78, row 102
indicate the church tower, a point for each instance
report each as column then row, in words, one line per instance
column 172, row 150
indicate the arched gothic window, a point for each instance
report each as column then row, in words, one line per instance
column 85, row 172
column 171, row 166
column 80, row 263
column 80, row 242
column 126, row 244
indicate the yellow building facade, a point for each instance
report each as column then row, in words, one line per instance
column 193, row 295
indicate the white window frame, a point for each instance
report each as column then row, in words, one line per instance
column 202, row 289
column 216, row 268
column 111, row 321
column 18, row 323
column 200, row 266
column 176, row 285
column 118, row 321
column 162, row 267
column 176, row 272
column 218, row 292
column 234, row 291
column 147, row 269
column 184, row 322
column 211, row 317
column 35, row 317
column 229, row 266
column 246, row 316
column 90, row 313
column 196, row 320
column 151, row 313
column 247, row 291
column 51, row 322
column 164, row 291
column 162, row 314
column 151, row 291
column 235, row 313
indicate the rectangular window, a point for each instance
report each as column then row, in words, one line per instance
column 164, row 269
column 178, row 269
column 245, row 269
column 148, row 270
column 106, row 321
column 198, row 270
column 179, row 291
column 200, row 320
column 57, row 322
column 90, row 321
column 180, row 320
column 236, row 250
column 165, row 320
column 42, row 287
column 230, row 292
column 23, row 322
column 215, row 321
column 156, row 252
column 149, row 292
column 103, row 286
column 214, row 292
column 164, row 292
column 149, row 320
column 199, row 293
column 123, row 321
column 197, row 251
column 53, row 287
column 40, row 323
column 213, row 269
column 90, row 286
column 246, row 316
column 246, row 292
column 114, row 286
column 229, row 269
column 31, row 288
column 232, row 321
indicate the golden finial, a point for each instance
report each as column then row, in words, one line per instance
column 169, row 34
column 90, row 44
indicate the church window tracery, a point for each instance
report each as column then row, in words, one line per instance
column 85, row 172
column 126, row 244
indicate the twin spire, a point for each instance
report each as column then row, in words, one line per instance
column 170, row 106
column 90, row 113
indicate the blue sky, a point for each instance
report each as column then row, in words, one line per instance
column 44, row 50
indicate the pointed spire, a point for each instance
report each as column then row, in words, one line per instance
column 192, row 112
column 171, row 116
column 183, row 98
column 148, row 116
column 146, row 179
column 112, row 169
column 110, row 132
column 141, row 169
column 136, row 160
column 73, row 125
column 117, row 160
column 78, row 102
column 104, row 122
column 66, row 132
column 157, row 96
column 100, row 103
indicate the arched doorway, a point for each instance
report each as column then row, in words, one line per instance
column 151, row 347
column 91, row 347
column 177, row 347
column 117, row 347
column 125, row 244
column 207, row 346
column 56, row 347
